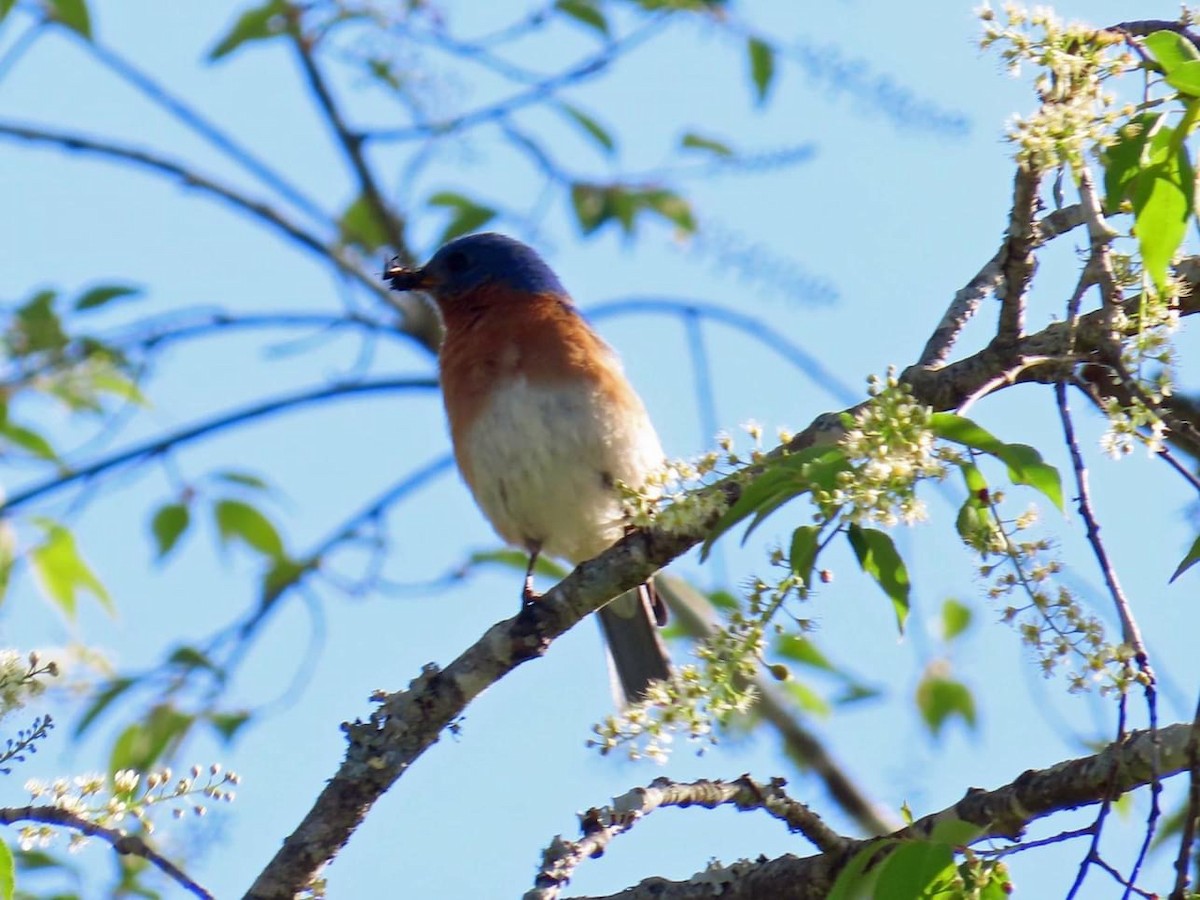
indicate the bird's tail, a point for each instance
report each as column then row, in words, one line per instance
column 635, row 649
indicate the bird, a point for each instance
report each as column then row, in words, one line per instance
column 544, row 424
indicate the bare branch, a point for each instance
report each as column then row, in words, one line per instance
column 1187, row 836
column 187, row 115
column 1018, row 264
column 415, row 315
column 546, row 89
column 601, row 826
column 209, row 427
column 125, row 844
column 1001, row 813
column 350, row 141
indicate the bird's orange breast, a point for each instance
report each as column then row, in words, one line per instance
column 494, row 336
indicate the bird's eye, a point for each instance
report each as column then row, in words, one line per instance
column 457, row 261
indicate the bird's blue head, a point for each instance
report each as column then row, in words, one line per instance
column 476, row 261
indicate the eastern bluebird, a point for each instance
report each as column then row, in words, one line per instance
column 543, row 423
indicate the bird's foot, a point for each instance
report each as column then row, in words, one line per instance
column 528, row 595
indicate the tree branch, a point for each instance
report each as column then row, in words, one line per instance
column 601, row 826
column 414, row 316
column 125, row 844
column 207, row 428
column 1001, row 813
column 350, row 141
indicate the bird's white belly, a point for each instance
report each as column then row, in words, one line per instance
column 544, row 462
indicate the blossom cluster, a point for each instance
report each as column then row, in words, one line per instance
column 22, row 678
column 1049, row 618
column 129, row 796
column 695, row 699
column 1077, row 114
column 889, row 446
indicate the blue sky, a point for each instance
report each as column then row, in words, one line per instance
column 889, row 216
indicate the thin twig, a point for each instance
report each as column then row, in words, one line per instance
column 209, row 427
column 988, row 279
column 255, row 208
column 806, row 362
column 188, row 116
column 125, row 844
column 588, row 68
column 1187, row 836
column 351, row 143
column 1188, row 475
column 1130, row 632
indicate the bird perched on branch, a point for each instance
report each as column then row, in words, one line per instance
column 543, row 422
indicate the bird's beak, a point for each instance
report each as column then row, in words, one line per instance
column 402, row 279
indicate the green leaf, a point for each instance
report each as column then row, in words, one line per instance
column 186, row 657
column 61, row 571
column 802, row 650
column 961, row 430
column 1162, row 202
column 110, row 381
column 8, row 555
column 781, row 479
column 103, row 700
column 591, row 127
column 8, row 873
column 239, row 520
column 73, row 14
column 941, row 698
column 228, row 724
column 242, row 479
column 721, row 599
column 168, row 526
column 806, row 698
column 1170, row 50
column 1123, row 160
column 27, row 440
column 518, row 560
column 693, row 141
column 762, row 67
column 761, row 493
column 803, row 556
column 857, row 877
column 467, row 215
column 358, row 226
column 955, row 832
column 1186, row 78
column 283, row 574
column 1025, row 464
column 584, row 11
column 975, row 517
column 266, row 20
column 591, row 206
column 103, row 294
column 878, row 557
column 956, row 618
column 6, row 7
column 1193, row 557
column 141, row 745
column 915, row 869
column 37, row 326
column 671, row 207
